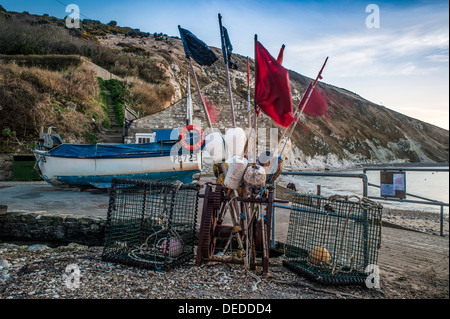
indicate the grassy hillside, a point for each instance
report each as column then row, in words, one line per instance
column 32, row 96
column 44, row 81
column 25, row 34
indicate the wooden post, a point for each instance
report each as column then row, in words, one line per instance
column 248, row 96
column 205, row 109
column 224, row 50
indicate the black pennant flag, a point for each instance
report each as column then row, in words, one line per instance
column 196, row 49
column 229, row 48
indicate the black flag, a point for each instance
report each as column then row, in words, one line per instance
column 229, row 49
column 196, row 49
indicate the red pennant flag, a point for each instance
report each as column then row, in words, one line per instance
column 213, row 112
column 317, row 104
column 281, row 55
column 272, row 88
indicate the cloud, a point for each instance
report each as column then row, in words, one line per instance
column 402, row 52
column 437, row 58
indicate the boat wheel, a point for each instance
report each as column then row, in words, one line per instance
column 209, row 222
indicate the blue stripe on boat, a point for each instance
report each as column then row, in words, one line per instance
column 103, row 181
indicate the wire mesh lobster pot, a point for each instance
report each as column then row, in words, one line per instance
column 151, row 224
column 333, row 240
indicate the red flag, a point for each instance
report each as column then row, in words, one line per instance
column 281, row 54
column 317, row 104
column 272, row 88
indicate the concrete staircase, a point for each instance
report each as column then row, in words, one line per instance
column 115, row 133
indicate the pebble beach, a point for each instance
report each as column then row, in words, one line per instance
column 39, row 271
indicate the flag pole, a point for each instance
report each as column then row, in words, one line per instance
column 224, row 50
column 255, row 116
column 208, row 119
column 189, row 111
column 248, row 95
column 298, row 113
column 249, row 110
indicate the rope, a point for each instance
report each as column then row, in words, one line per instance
column 362, row 200
column 258, row 279
column 177, row 185
column 154, row 251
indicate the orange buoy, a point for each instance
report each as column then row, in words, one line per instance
column 319, row 255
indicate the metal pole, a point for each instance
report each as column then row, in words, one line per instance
column 406, row 169
column 331, row 174
column 442, row 221
column 409, row 201
column 408, row 194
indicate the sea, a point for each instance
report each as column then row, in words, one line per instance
column 433, row 185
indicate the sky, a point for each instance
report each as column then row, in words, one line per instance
column 393, row 53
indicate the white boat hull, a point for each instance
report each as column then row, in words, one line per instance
column 99, row 172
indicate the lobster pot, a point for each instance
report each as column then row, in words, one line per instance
column 235, row 140
column 215, row 145
column 235, row 172
column 151, row 225
column 333, row 240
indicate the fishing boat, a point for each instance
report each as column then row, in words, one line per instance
column 87, row 165
column 171, row 155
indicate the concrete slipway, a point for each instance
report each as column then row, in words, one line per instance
column 40, row 196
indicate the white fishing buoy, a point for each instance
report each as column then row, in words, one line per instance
column 235, row 172
column 266, row 160
column 235, row 140
column 215, row 146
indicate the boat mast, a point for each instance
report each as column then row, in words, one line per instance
column 189, row 108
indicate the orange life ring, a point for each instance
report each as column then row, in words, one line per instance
column 188, row 146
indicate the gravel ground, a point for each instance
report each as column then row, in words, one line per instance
column 423, row 221
column 41, row 272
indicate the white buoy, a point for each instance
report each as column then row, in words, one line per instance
column 235, row 140
column 235, row 172
column 215, row 146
